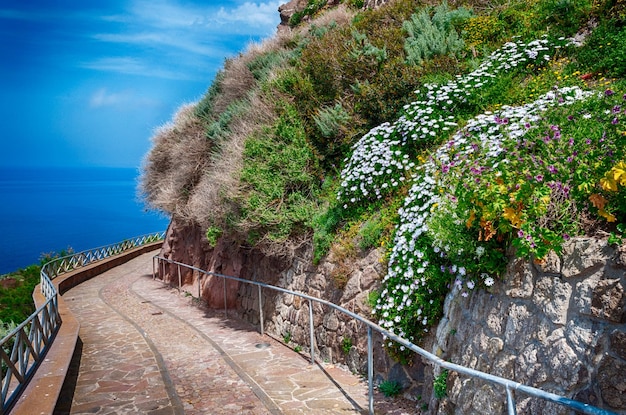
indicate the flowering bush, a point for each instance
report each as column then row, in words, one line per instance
column 522, row 175
column 381, row 158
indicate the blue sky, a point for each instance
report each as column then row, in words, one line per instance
column 85, row 83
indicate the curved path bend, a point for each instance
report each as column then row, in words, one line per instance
column 144, row 349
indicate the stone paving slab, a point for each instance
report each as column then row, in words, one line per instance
column 148, row 350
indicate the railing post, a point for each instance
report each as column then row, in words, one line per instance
column 153, row 269
column 261, row 310
column 225, row 305
column 311, row 334
column 180, row 281
column 370, row 370
column 510, row 402
column 199, row 283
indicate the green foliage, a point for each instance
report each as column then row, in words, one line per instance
column 287, row 337
column 16, row 303
column 428, row 37
column 6, row 328
column 357, row 4
column 330, row 120
column 564, row 16
column 262, row 65
column 346, row 345
column 311, row 8
column 279, row 196
column 213, row 233
column 297, row 349
column 440, row 385
column 204, row 108
column 363, row 48
column 372, row 298
column 390, row 388
column 219, row 129
column 605, row 50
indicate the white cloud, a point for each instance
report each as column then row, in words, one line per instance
column 104, row 98
column 134, row 66
column 181, row 42
column 253, row 15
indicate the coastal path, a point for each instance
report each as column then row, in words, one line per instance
column 145, row 349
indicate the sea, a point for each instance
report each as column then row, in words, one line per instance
column 49, row 210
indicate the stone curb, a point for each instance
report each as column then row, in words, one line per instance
column 43, row 390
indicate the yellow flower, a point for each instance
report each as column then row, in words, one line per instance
column 608, row 183
column 512, row 216
column 619, row 173
column 606, row 215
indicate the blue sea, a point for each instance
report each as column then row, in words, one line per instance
column 44, row 210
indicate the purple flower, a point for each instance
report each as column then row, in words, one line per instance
column 616, row 109
column 570, row 117
column 566, row 237
column 609, row 92
column 552, row 169
column 539, row 177
column 615, row 121
column 588, row 141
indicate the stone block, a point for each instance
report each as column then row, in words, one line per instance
column 608, row 301
column 582, row 256
column 612, row 382
column 520, row 282
column 618, row 343
column 331, row 322
column 550, row 264
column 553, row 297
column 369, row 278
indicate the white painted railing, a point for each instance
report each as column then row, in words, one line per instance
column 23, row 348
column 509, row 385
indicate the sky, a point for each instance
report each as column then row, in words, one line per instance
column 85, row 83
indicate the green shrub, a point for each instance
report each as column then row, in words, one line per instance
column 440, row 385
column 330, row 120
column 279, row 179
column 264, row 63
column 311, row 8
column 212, row 235
column 16, row 303
column 390, row 388
column 605, row 50
column 564, row 16
column 346, row 345
column 428, row 37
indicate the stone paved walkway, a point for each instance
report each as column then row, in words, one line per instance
column 147, row 350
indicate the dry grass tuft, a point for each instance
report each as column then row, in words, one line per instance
column 175, row 163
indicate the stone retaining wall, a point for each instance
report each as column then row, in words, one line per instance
column 559, row 325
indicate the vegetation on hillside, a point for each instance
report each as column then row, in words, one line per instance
column 449, row 137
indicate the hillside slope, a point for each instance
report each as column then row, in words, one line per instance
column 452, row 137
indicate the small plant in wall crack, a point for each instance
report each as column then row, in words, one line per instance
column 390, row 388
column 287, row 337
column 440, row 385
column 346, row 345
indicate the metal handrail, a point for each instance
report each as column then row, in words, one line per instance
column 508, row 384
column 29, row 342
